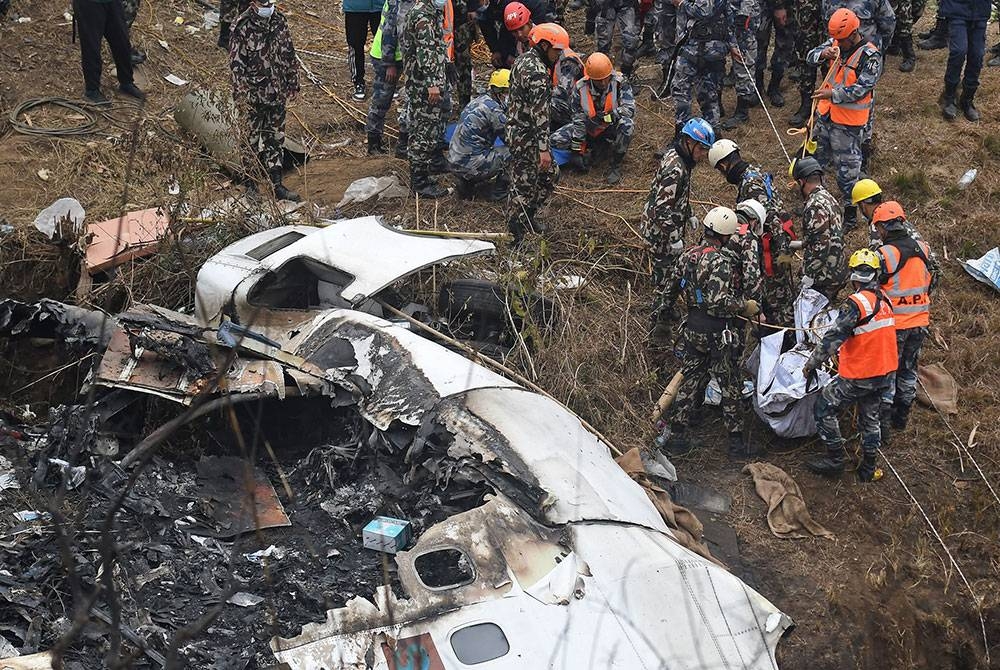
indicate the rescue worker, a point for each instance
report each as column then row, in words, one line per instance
column 387, row 61
column 664, row 19
column 908, row 273
column 473, row 154
column 823, row 266
column 567, row 72
column 807, row 26
column 667, row 208
column 866, row 196
column 706, row 39
column 907, row 13
column 877, row 18
column 747, row 243
column 360, row 18
column 625, row 15
column 745, row 16
column 265, row 77
column 783, row 49
column 496, row 19
column 603, row 116
column 865, row 339
column 966, row 47
column 425, row 61
column 532, row 171
column 465, row 14
column 98, row 20
column 845, row 102
column 704, row 274
column 752, row 183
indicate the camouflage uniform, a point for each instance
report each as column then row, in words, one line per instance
column 425, row 61
column 595, row 130
column 784, row 44
column 666, row 212
column 385, row 53
column 131, row 10
column 624, row 14
column 230, row 10
column 701, row 61
column 839, row 146
column 807, row 28
column 823, row 243
column 465, row 35
column 664, row 20
column 878, row 20
column 907, row 12
column 528, row 136
column 473, row 154
column 264, row 75
column 568, row 71
column 704, row 273
column 746, row 21
column 749, row 276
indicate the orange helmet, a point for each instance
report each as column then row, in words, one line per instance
column 598, row 66
column 843, row 23
column 890, row 210
column 552, row 33
column 516, row 15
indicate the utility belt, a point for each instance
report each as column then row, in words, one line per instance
column 701, row 321
column 703, row 31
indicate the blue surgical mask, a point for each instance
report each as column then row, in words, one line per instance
column 265, row 12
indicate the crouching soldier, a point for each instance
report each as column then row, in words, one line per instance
column 473, row 154
column 865, row 335
column 603, row 115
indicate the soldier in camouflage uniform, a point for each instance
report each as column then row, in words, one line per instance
column 663, row 16
column 465, row 35
column 745, row 16
column 773, row 21
column 473, row 154
column 706, row 37
column 807, row 26
column 823, row 266
column 533, row 173
column 229, row 11
column 425, row 61
column 864, row 334
column 625, row 15
column 877, row 17
column 704, row 274
column 747, row 243
column 752, row 183
column 568, row 71
column 265, row 77
column 907, row 14
column 387, row 61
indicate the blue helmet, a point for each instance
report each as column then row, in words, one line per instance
column 700, row 131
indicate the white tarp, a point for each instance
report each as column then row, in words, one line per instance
column 986, row 269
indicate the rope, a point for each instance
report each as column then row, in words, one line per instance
column 88, row 126
column 753, row 82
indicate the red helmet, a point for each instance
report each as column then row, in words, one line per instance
column 516, row 15
column 843, row 23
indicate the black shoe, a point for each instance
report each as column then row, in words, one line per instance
column 499, row 190
column 949, row 110
column 774, row 92
column 96, row 97
column 909, row 56
column 132, row 91
column 281, row 192
column 578, row 162
column 375, row 146
column 615, row 173
column 968, row 104
column 900, row 416
column 938, row 37
column 223, row 42
column 401, row 144
column 867, row 472
column 422, row 184
column 137, row 57
column 801, row 116
column 740, row 115
column 359, row 92
column 830, row 465
column 850, row 218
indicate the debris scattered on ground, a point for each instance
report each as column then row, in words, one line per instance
column 62, row 220
column 936, row 388
column 128, row 237
column 985, row 268
column 787, row 514
column 367, row 188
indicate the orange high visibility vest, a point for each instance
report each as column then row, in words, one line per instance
column 567, row 53
column 870, row 351
column 587, row 103
column 847, row 113
column 909, row 283
column 449, row 29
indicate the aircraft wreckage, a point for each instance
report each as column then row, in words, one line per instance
column 566, row 563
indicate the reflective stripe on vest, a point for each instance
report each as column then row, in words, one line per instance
column 847, row 113
column 870, row 351
column 909, row 284
column 587, row 103
column 566, row 53
column 449, row 29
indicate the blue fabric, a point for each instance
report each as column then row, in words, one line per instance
column 966, row 46
column 363, row 6
column 560, row 156
column 969, row 10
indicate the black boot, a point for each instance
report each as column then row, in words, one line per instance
column 676, row 444
column 223, row 42
column 938, row 39
column 438, row 164
column 646, row 47
column 740, row 116
column 465, row 189
column 900, row 415
column 947, row 102
column 401, row 144
column 662, row 92
column 137, row 57
column 590, row 21
column 615, row 173
column 968, row 104
column 850, row 218
column 774, row 90
column 909, row 55
column 801, row 116
column 375, row 144
column 422, row 184
column 499, row 189
column 830, row 465
column 867, row 472
column 885, row 424
column 280, row 192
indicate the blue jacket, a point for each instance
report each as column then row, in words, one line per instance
column 968, row 10
column 363, row 5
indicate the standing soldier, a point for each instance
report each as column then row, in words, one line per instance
column 752, row 183
column 822, row 231
column 909, row 272
column 704, row 274
column 465, row 35
column 704, row 39
column 387, row 60
column 97, row 21
column 474, row 156
column 603, row 116
column 806, row 26
column 229, row 11
column 425, row 60
column 265, row 78
column 746, row 20
column 864, row 334
column 907, row 13
column 664, row 20
column 747, row 243
column 783, row 48
column 532, row 171
column 845, row 102
column 966, row 48
column 625, row 15
column 667, row 208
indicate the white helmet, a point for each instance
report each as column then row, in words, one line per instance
column 721, row 149
column 754, row 210
column 721, row 221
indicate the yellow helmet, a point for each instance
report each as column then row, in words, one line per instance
column 864, row 189
column 864, row 265
column 500, row 78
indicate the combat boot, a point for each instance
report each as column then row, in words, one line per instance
column 850, row 218
column 867, row 472
column 740, row 116
column 830, row 465
column 900, row 415
column 465, row 189
column 615, row 172
column 947, row 102
column 885, row 423
column 774, row 91
column 968, row 104
column 801, row 116
column 402, row 144
column 422, row 184
column 280, row 191
column 866, row 156
column 375, row 147
column 646, row 47
column 662, row 91
column 909, row 56
column 938, row 38
column 223, row 42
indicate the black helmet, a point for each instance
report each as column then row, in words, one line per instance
column 803, row 168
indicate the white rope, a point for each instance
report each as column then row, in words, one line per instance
column 975, row 598
column 753, row 82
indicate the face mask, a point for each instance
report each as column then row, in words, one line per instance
column 265, row 12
